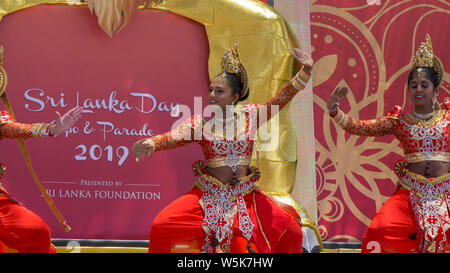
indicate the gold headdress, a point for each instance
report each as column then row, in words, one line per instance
column 425, row 58
column 232, row 64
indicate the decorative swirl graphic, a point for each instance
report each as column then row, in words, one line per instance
column 367, row 48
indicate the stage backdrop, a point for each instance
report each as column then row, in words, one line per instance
column 57, row 57
column 368, row 47
column 130, row 90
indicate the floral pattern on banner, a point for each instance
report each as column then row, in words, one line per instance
column 368, row 47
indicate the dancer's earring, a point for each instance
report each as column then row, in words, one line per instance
column 434, row 100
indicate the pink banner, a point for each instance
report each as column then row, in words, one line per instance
column 130, row 86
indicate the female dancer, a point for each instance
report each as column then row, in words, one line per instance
column 20, row 229
column 416, row 217
column 225, row 211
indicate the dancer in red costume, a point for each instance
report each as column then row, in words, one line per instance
column 416, row 218
column 20, row 229
column 225, row 211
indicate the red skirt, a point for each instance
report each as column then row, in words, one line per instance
column 179, row 226
column 21, row 230
column 394, row 228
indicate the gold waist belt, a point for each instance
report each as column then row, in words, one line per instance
column 428, row 156
column 228, row 161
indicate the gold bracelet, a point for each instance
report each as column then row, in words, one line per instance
column 341, row 119
column 297, row 84
column 333, row 112
column 149, row 141
column 300, row 80
column 40, row 129
column 152, row 143
column 303, row 76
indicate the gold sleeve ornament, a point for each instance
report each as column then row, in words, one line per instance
column 20, row 130
column 181, row 135
column 381, row 126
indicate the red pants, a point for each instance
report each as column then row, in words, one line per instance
column 178, row 227
column 21, row 230
column 394, row 228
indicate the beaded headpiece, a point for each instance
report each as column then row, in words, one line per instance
column 232, row 64
column 424, row 57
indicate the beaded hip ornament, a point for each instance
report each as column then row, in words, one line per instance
column 220, row 204
column 430, row 202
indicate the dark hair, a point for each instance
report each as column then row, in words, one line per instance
column 430, row 74
column 236, row 85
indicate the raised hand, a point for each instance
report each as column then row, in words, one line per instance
column 143, row 147
column 66, row 121
column 303, row 59
column 336, row 97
